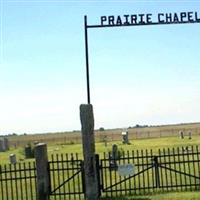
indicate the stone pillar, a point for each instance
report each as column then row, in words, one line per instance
column 42, row 171
column 87, row 128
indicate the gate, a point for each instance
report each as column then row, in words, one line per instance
column 66, row 176
column 168, row 170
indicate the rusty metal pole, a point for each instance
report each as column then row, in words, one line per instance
column 87, row 59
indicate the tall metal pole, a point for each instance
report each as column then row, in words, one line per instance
column 87, row 59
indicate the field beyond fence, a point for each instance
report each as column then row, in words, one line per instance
column 74, row 137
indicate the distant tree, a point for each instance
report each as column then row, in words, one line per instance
column 101, row 129
column 140, row 126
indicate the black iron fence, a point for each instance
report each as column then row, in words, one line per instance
column 176, row 169
column 168, row 170
column 18, row 181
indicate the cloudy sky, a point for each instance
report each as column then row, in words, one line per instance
column 139, row 75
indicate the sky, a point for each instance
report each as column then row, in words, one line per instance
column 146, row 75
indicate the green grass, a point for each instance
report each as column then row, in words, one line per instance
column 163, row 196
column 153, row 143
column 138, row 144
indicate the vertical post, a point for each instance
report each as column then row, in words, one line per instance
column 42, row 171
column 98, row 168
column 157, row 175
column 90, row 171
column 87, row 59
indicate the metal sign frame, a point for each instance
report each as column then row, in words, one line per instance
column 148, row 22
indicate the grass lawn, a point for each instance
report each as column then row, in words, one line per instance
column 163, row 196
column 139, row 144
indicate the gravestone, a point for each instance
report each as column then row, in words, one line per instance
column 190, row 135
column 105, row 140
column 4, row 146
column 6, row 143
column 115, row 153
column 36, row 142
column 113, row 157
column 125, row 137
column 28, row 151
column 13, row 159
column 181, row 135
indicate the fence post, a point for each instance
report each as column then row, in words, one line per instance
column 98, row 168
column 90, row 171
column 157, row 175
column 42, row 171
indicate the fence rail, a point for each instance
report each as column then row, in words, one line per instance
column 18, row 181
column 169, row 169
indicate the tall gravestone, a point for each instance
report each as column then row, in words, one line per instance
column 190, row 135
column 29, row 151
column 4, row 146
column 181, row 135
column 115, row 153
column 125, row 139
column 113, row 157
column 105, row 140
column 6, row 143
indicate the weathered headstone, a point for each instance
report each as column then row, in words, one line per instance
column 190, row 135
column 105, row 140
column 125, row 137
column 115, row 153
column 181, row 135
column 13, row 159
column 113, row 157
column 4, row 146
column 28, row 151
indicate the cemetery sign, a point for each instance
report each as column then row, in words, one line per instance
column 142, row 19
column 126, row 170
column 162, row 18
